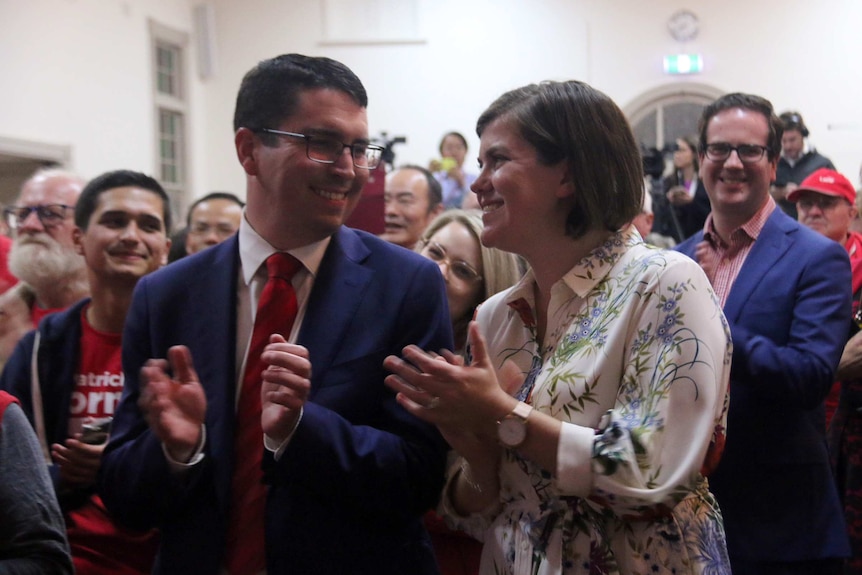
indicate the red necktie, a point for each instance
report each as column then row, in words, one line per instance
column 276, row 312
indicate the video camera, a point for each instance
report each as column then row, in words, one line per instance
column 387, row 143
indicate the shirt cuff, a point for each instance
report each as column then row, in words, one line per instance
column 277, row 450
column 574, row 460
column 197, row 456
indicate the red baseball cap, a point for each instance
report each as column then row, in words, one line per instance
column 827, row 182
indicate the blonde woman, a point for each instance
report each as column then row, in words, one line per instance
column 472, row 272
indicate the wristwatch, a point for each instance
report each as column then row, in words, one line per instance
column 512, row 429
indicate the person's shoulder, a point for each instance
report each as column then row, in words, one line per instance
column 354, row 242
column 806, row 240
column 59, row 323
column 192, row 266
column 688, row 245
column 6, row 399
column 814, row 154
column 496, row 308
column 654, row 261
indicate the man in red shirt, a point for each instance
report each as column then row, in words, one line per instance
column 121, row 224
column 826, row 203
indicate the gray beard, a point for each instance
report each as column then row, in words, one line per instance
column 46, row 265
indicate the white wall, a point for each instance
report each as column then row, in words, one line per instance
column 78, row 71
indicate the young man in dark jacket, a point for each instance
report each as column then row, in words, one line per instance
column 68, row 373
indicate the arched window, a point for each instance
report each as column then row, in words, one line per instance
column 660, row 116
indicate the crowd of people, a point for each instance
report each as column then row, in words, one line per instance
column 546, row 367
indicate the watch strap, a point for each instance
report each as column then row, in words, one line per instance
column 522, row 410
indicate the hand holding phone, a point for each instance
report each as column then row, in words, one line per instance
column 96, row 431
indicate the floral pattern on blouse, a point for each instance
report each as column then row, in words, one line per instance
column 636, row 363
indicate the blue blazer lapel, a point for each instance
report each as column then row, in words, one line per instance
column 774, row 240
column 212, row 286
column 338, row 290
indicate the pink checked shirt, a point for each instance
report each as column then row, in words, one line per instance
column 729, row 257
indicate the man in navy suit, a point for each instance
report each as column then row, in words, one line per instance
column 785, row 292
column 348, row 472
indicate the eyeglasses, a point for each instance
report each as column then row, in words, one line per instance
column 460, row 269
column 327, row 150
column 821, row 201
column 50, row 215
column 747, row 153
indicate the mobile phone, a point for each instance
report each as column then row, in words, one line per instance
column 96, row 431
column 447, row 164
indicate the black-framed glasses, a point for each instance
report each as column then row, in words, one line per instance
column 327, row 150
column 747, row 153
column 49, row 215
column 459, row 268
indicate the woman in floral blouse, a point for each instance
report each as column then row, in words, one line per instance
column 595, row 398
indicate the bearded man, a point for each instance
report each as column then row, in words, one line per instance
column 43, row 253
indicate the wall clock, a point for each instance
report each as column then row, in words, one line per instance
column 683, row 25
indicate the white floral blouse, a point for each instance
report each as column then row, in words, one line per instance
column 636, row 363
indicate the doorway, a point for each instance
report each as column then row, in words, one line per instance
column 20, row 158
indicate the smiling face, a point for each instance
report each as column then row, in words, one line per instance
column 456, row 251
column 520, row 196
column 736, row 188
column 294, row 201
column 406, row 207
column 125, row 237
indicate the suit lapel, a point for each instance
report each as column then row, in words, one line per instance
column 338, row 290
column 212, row 340
column 774, row 240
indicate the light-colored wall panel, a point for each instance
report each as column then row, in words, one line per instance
column 76, row 71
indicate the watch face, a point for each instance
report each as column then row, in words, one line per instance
column 512, row 431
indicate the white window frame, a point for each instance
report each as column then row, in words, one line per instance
column 177, row 104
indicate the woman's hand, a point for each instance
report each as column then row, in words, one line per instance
column 463, row 401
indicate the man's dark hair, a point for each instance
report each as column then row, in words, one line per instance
column 435, row 190
column 746, row 102
column 793, row 121
column 574, row 123
column 89, row 198
column 270, row 91
column 212, row 196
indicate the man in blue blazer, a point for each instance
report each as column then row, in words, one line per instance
column 348, row 472
column 785, row 293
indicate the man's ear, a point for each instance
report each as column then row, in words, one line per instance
column 246, row 143
column 78, row 240
column 168, row 243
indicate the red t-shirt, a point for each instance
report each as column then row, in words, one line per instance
column 37, row 313
column 99, row 547
column 7, row 280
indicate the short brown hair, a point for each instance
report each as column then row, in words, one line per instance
column 575, row 123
